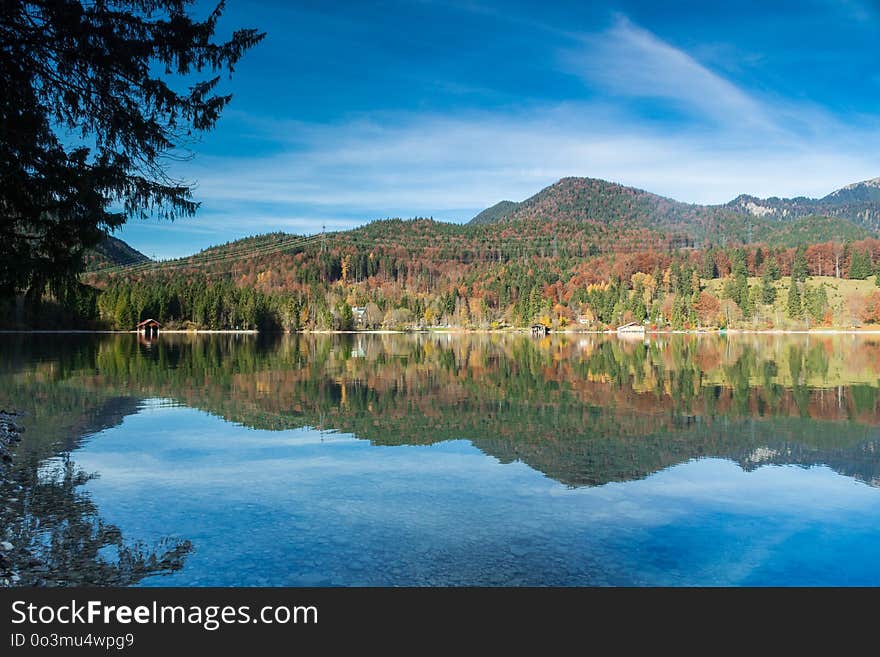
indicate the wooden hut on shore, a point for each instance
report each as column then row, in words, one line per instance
column 149, row 327
column 632, row 327
column 539, row 330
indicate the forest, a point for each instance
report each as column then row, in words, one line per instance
column 420, row 274
column 580, row 255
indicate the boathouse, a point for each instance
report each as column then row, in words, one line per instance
column 149, row 327
column 539, row 329
column 632, row 327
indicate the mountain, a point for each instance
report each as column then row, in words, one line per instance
column 613, row 209
column 867, row 191
column 590, row 200
column 746, row 218
column 497, row 212
column 113, row 252
column 858, row 202
column 575, row 218
column 567, row 254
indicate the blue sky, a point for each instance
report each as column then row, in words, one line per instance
column 350, row 112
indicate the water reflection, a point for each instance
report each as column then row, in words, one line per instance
column 581, row 410
column 60, row 539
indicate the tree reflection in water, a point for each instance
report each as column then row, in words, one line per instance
column 584, row 410
column 59, row 538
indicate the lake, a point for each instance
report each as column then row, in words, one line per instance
column 444, row 459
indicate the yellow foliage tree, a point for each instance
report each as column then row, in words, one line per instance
column 648, row 284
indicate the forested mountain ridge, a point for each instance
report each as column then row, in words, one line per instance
column 112, row 251
column 581, row 252
column 602, row 202
column 858, row 202
column 611, row 205
column 867, row 190
column 497, row 212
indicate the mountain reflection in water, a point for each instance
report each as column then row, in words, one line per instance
column 583, row 410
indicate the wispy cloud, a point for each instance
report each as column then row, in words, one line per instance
column 452, row 164
column 630, row 61
column 436, row 165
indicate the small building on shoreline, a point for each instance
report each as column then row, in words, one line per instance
column 631, row 327
column 149, row 327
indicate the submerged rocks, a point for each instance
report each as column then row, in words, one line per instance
column 10, row 435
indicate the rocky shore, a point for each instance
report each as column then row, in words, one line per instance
column 10, row 436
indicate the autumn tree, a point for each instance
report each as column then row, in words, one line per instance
column 707, row 308
column 870, row 312
column 838, row 250
column 90, row 114
column 730, row 312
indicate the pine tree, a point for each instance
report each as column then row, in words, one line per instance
column 768, row 289
column 799, row 266
column 346, row 316
column 795, row 309
column 746, row 301
column 88, row 122
column 771, row 268
column 860, row 265
column 816, row 302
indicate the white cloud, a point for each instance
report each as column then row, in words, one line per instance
column 451, row 166
column 630, row 61
column 433, row 165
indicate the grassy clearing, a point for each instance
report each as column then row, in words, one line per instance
column 845, row 299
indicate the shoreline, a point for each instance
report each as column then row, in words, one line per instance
column 522, row 331
column 10, row 436
column 132, row 332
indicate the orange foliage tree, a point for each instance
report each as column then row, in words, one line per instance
column 707, row 308
column 870, row 312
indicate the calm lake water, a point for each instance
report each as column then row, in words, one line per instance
column 232, row 460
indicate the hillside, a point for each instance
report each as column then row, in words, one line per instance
column 112, row 252
column 615, row 207
column 497, row 212
column 862, row 192
column 811, row 229
column 582, row 251
column 599, row 201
